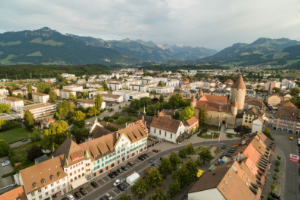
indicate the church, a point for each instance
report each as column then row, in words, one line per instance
column 220, row 110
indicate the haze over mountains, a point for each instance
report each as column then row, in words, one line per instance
column 46, row 46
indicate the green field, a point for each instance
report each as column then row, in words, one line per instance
column 14, row 135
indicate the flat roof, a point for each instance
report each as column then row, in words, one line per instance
column 37, row 105
column 5, row 116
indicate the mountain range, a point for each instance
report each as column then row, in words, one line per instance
column 47, row 46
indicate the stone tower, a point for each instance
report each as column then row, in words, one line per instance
column 238, row 93
column 193, row 102
column 234, row 108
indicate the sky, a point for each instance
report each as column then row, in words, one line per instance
column 214, row 24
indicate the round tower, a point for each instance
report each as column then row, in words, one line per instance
column 234, row 108
column 193, row 102
column 238, row 93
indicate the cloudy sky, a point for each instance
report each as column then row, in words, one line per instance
column 212, row 24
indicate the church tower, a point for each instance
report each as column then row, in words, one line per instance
column 238, row 93
column 193, row 102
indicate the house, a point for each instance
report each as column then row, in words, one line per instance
column 128, row 95
column 45, row 122
column 15, row 103
column 65, row 94
column 273, row 99
column 257, row 124
column 287, row 119
column 23, row 92
column 4, row 91
column 254, row 102
column 114, row 84
column 56, row 90
column 284, row 96
column 166, row 113
column 167, row 129
column 250, row 115
column 74, row 88
column 162, row 90
column 191, row 125
column 40, row 97
column 39, row 109
column 14, row 194
column 112, row 98
column 86, row 103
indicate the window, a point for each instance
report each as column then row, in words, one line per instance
column 165, row 134
column 71, row 174
column 229, row 175
column 225, row 182
column 32, row 194
column 159, row 132
column 171, row 135
column 82, row 168
column 46, row 187
column 40, row 196
column 39, row 190
column 71, row 180
column 57, row 182
column 71, row 167
column 78, row 170
column 58, row 187
column 74, row 172
column 52, row 184
column 46, row 193
column 52, row 190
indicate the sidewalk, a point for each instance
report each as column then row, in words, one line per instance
column 279, row 182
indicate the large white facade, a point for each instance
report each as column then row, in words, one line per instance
column 167, row 135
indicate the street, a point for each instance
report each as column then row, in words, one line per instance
column 106, row 183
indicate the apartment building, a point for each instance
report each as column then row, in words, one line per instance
column 287, row 119
column 250, row 115
column 87, row 103
column 74, row 88
column 162, row 90
column 4, row 91
column 39, row 109
column 128, row 95
column 15, row 103
column 173, row 83
column 40, row 97
column 65, row 94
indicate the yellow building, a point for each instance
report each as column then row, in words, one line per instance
column 250, row 115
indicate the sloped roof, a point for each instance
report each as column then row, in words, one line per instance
column 254, row 101
column 165, row 123
column 287, row 104
column 14, row 194
column 253, row 111
column 39, row 94
column 99, row 131
column 239, row 84
column 166, row 112
column 217, row 98
column 147, row 119
column 190, row 121
column 210, row 105
column 12, row 99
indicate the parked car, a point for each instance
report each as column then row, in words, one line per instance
column 155, row 150
column 82, row 191
column 24, row 140
column 151, row 160
column 103, row 198
column 111, row 175
column 224, row 147
column 130, row 163
column 119, row 170
column 108, row 196
column 70, row 197
column 141, row 158
column 124, row 168
column 77, row 195
column 275, row 196
column 7, row 162
column 121, row 187
column 94, row 184
column 146, row 155
column 115, row 173
column 153, row 164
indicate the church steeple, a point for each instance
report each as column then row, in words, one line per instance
column 144, row 112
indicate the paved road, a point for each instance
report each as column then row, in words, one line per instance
column 288, row 147
column 20, row 143
column 106, row 183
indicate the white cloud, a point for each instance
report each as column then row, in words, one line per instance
column 212, row 24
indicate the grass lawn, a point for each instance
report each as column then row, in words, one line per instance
column 217, row 151
column 204, row 135
column 14, row 135
column 210, row 127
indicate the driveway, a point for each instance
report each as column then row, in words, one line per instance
column 20, row 143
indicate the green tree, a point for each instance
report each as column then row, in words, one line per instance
column 105, row 87
column 158, row 194
column 174, row 188
column 272, row 187
column 274, row 178
column 4, row 108
column 187, row 113
column 78, row 119
column 276, row 89
column 43, row 87
column 28, row 120
column 154, row 178
column 190, row 149
column 140, row 188
column 182, row 153
column 161, row 98
column 268, row 134
column 160, row 84
column 175, row 159
column 205, row 155
column 202, row 115
column 64, row 108
column 4, row 148
column 183, row 176
column 276, row 171
column 52, row 96
column 55, row 116
column 35, row 135
column 278, row 157
column 145, row 101
column 92, row 110
column 191, row 166
column 125, row 196
column 242, row 129
column 176, row 115
column 72, row 97
column 98, row 102
column 295, row 92
column 34, row 152
column 85, row 94
column 55, row 135
column 19, row 96
column 165, row 167
column 175, row 100
column 29, row 90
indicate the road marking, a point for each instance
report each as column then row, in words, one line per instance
column 103, row 180
column 277, row 190
column 113, row 192
column 281, row 173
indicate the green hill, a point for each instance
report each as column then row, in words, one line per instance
column 46, row 46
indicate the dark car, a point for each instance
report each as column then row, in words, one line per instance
column 94, row 184
column 146, row 155
column 275, row 196
column 130, row 163
column 155, row 150
column 103, row 198
column 115, row 173
column 119, row 170
column 124, row 168
column 24, row 140
column 141, row 158
column 224, row 147
column 77, row 195
column 111, row 175
column 121, row 187
column 153, row 164
column 82, row 191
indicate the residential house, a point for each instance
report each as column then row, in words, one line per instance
column 17, row 193
column 254, row 102
column 74, row 88
column 65, row 94
column 22, row 92
column 191, row 124
column 40, row 97
column 15, row 103
column 45, row 122
column 250, row 115
column 273, row 99
column 86, row 103
column 284, row 96
column 128, row 95
column 166, row 113
column 257, row 124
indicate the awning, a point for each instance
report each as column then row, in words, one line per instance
column 78, row 182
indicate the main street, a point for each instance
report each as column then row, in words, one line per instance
column 287, row 146
column 106, row 184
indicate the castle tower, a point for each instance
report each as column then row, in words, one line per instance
column 200, row 94
column 193, row 102
column 234, row 107
column 238, row 93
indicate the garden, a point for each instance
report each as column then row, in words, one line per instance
column 14, row 135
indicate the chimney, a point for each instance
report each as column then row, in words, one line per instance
column 214, row 173
column 243, row 141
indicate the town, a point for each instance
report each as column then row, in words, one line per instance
column 143, row 134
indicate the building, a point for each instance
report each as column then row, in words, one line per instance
column 65, row 94
column 56, row 91
column 257, row 124
column 162, row 90
column 15, row 194
column 86, row 103
column 287, row 119
column 166, row 113
column 167, row 129
column 254, row 102
column 128, row 95
column 250, row 115
column 45, row 122
column 238, row 93
column 114, row 85
column 66, row 75
column 74, row 88
column 273, row 99
column 284, row 96
column 39, row 109
column 112, row 98
column 40, row 97
column 271, row 85
column 4, row 91
column 15, row 103
column 191, row 125
column 50, row 80
column 173, row 83
column 92, row 95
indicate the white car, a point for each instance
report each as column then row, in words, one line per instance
column 5, row 163
column 108, row 196
column 70, row 197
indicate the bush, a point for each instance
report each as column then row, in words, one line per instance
column 229, row 135
column 34, row 153
column 116, row 116
column 107, row 119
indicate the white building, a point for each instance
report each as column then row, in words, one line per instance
column 173, row 83
column 162, row 90
column 65, row 94
column 66, row 75
column 74, row 88
column 257, row 124
column 114, row 85
column 87, row 103
column 39, row 109
column 15, row 103
column 92, row 95
column 4, row 91
column 49, row 80
column 128, row 95
column 167, row 129
column 40, row 97
column 112, row 97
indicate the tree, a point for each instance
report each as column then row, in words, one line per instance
column 276, row 89
column 242, row 129
column 174, row 188
column 4, row 108
column 52, row 96
column 145, row 101
column 42, row 87
column 85, row 94
column 105, row 87
column 98, row 102
column 125, row 196
column 276, row 171
column 205, row 155
column 4, row 148
column 140, row 188
column 175, row 99
column 272, row 187
column 278, row 157
column 274, row 178
column 28, row 120
column 64, row 108
column 202, row 115
column 19, row 96
column 176, row 115
column 78, row 119
column 190, row 149
column 35, row 135
column 29, row 90
column 158, row 194
column 187, row 113
column 154, row 178
column 161, row 98
column 165, row 167
column 79, row 96
column 295, row 92
column 72, row 97
column 160, row 84
column 175, row 159
column 34, row 152
column 92, row 110
column 55, row 116
column 191, row 166
column 268, row 134
column 55, row 135
column 182, row 153
column 183, row 176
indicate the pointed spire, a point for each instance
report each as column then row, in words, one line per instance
column 239, row 84
column 144, row 112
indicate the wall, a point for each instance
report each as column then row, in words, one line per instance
column 274, row 100
column 257, row 126
column 213, row 118
column 211, row 194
